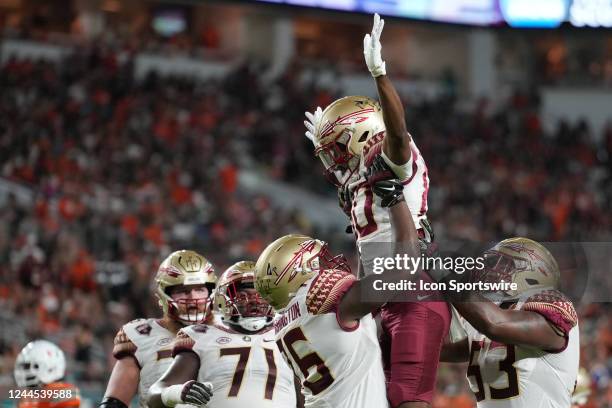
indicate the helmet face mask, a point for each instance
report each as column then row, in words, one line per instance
column 26, row 374
column 189, row 310
column 187, row 269
column 340, row 165
column 238, row 302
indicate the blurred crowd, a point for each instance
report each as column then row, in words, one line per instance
column 121, row 172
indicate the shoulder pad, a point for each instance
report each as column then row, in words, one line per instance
column 555, row 307
column 372, row 148
column 327, row 291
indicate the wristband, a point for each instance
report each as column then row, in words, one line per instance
column 171, row 395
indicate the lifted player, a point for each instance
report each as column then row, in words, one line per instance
column 523, row 353
column 41, row 365
column 143, row 347
column 325, row 328
column 348, row 135
column 236, row 359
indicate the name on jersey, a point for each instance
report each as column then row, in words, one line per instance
column 287, row 317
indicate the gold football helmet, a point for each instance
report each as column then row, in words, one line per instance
column 236, row 304
column 185, row 268
column 290, row 261
column 345, row 127
column 524, row 262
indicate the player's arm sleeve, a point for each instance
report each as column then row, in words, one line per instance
column 327, row 291
column 557, row 310
column 403, row 171
column 123, row 346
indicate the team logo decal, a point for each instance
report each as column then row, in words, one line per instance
column 190, row 263
column 164, row 341
column 295, row 263
column 223, row 340
column 144, row 329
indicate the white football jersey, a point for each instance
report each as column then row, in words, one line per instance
column 246, row 370
column 509, row 376
column 151, row 345
column 337, row 367
column 370, row 221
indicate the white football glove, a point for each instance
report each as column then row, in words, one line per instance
column 192, row 393
column 372, row 48
column 312, row 123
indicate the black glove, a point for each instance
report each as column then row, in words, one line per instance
column 384, row 183
column 390, row 191
column 196, row 393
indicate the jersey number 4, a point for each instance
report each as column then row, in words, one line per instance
column 243, row 357
column 506, row 365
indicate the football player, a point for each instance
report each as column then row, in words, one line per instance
column 236, row 358
column 351, row 132
column 325, row 328
column 523, row 350
column 41, row 365
column 143, row 347
column 348, row 135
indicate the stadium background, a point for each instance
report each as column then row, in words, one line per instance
column 130, row 128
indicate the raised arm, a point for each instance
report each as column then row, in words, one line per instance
column 396, row 144
column 406, row 240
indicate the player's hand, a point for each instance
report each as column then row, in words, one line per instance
column 312, row 123
column 427, row 230
column 384, row 183
column 372, row 48
column 192, row 393
column 196, row 393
